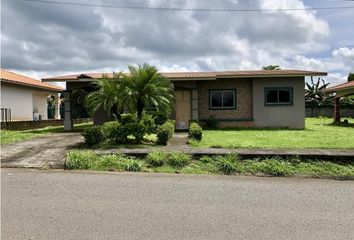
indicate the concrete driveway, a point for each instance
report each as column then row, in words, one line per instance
column 59, row 204
column 41, row 152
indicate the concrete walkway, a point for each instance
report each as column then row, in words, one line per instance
column 48, row 151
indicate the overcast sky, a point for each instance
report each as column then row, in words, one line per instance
column 41, row 39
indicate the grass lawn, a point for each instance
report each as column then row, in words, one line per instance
column 16, row 136
column 319, row 133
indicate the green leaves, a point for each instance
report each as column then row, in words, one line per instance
column 143, row 87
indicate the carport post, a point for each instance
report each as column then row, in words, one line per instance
column 336, row 110
column 68, row 122
column 57, row 106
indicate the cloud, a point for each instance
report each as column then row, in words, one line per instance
column 46, row 39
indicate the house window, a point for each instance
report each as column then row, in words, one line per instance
column 278, row 96
column 222, row 99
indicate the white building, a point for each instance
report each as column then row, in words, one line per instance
column 24, row 98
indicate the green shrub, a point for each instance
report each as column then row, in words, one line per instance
column 178, row 160
column 137, row 130
column 212, row 122
column 156, row 158
column 206, row 159
column 109, row 129
column 149, row 123
column 80, row 159
column 274, row 167
column 133, row 165
column 195, row 131
column 119, row 134
column 160, row 119
column 165, row 132
column 128, row 118
column 93, row 135
column 110, row 162
column 228, row 164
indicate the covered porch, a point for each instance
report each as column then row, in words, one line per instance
column 341, row 90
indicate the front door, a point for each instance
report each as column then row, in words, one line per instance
column 183, row 108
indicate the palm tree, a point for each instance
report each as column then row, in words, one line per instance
column 110, row 95
column 271, row 67
column 146, row 87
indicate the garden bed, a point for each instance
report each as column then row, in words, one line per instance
column 230, row 164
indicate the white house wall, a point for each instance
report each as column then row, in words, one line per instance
column 40, row 104
column 19, row 100
column 23, row 101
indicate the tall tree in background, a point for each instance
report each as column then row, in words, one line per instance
column 314, row 95
column 271, row 67
column 350, row 77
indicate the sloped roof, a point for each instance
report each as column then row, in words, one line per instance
column 341, row 87
column 10, row 77
column 199, row 75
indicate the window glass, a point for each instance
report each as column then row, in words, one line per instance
column 216, row 99
column 228, row 99
column 222, row 99
column 284, row 96
column 272, row 96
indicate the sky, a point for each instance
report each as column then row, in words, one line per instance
column 42, row 40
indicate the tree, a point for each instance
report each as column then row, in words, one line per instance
column 350, row 77
column 314, row 94
column 146, row 87
column 110, row 95
column 271, row 67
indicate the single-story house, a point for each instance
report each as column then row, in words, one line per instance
column 261, row 98
column 24, row 98
column 340, row 90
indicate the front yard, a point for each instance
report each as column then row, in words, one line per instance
column 319, row 133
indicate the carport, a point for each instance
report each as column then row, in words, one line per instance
column 341, row 90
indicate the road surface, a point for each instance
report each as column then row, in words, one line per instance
column 57, row 204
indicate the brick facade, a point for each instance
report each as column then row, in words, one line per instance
column 232, row 117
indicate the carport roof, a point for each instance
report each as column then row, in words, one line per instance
column 341, row 87
column 186, row 76
column 14, row 78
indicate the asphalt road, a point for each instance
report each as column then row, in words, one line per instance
column 86, row 205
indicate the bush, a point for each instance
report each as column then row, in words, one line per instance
column 80, row 159
column 165, row 132
column 274, row 167
column 133, row 165
column 93, row 135
column 195, row 131
column 110, row 162
column 156, row 158
column 128, row 118
column 178, row 160
column 212, row 122
column 160, row 119
column 149, row 123
column 228, row 164
column 109, row 129
column 137, row 130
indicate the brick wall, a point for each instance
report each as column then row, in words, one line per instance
column 243, row 96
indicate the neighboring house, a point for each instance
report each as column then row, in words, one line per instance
column 341, row 90
column 266, row 98
column 24, row 98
